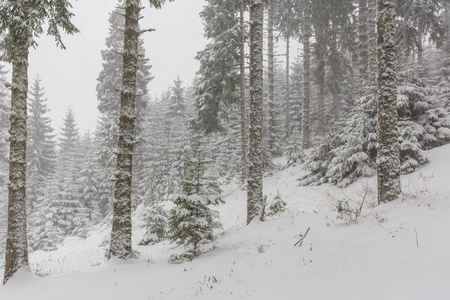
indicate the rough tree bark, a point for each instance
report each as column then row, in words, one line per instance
column 288, row 88
column 122, row 225
column 16, row 242
column 388, row 153
column 363, row 44
column 270, row 76
column 242, row 103
column 306, row 30
column 255, row 177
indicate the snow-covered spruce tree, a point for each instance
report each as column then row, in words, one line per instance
column 41, row 146
column 388, row 152
column 156, row 182
column 155, row 224
column 22, row 22
column 287, row 23
column 71, row 215
column 192, row 221
column 218, row 76
column 276, row 205
column 293, row 150
column 255, row 203
column 88, row 181
column 108, row 95
column 46, row 231
column 122, row 226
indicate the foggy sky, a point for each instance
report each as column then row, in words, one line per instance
column 69, row 76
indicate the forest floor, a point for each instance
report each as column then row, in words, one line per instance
column 399, row 250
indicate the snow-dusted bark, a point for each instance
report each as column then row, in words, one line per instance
column 306, row 31
column 122, row 226
column 16, row 242
column 242, row 106
column 388, row 155
column 372, row 41
column 287, row 107
column 271, row 78
column 255, row 170
column 363, row 43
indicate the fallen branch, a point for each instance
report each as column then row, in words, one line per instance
column 302, row 238
column 417, row 239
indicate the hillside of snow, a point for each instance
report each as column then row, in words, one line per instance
column 399, row 250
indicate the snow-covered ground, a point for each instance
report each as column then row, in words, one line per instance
column 399, row 250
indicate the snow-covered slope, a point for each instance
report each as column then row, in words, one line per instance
column 398, row 250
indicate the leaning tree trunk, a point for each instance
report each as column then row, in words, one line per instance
column 243, row 113
column 306, row 142
column 255, row 204
column 388, row 153
column 271, row 78
column 122, row 226
column 16, row 241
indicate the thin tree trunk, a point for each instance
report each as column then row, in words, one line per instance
column 288, row 107
column 306, row 142
column 271, row 78
column 372, row 41
column 255, row 177
column 363, row 44
column 420, row 30
column 243, row 113
column 122, row 224
column 320, row 49
column 388, row 153
column 16, row 241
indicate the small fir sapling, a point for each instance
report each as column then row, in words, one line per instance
column 192, row 221
column 155, row 224
column 276, row 206
column 293, row 150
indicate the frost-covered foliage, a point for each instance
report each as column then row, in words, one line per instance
column 218, row 76
column 156, row 221
column 88, row 181
column 293, row 150
column 276, row 205
column 109, row 82
column 41, row 146
column 350, row 152
column 192, row 221
column 166, row 133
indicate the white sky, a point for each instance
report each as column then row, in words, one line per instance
column 69, row 76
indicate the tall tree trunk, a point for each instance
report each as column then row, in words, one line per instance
column 122, row 225
column 388, row 153
column 255, row 204
column 16, row 241
column 320, row 21
column 363, row 44
column 287, row 96
column 271, row 77
column 335, row 73
column 306, row 142
column 420, row 30
column 243, row 113
column 372, row 41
